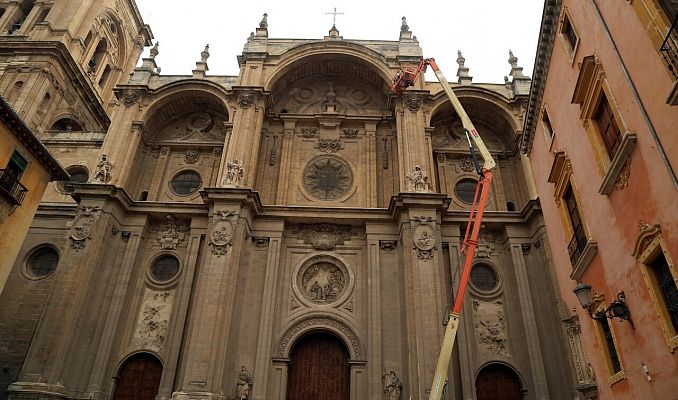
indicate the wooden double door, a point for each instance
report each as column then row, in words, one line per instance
column 498, row 382
column 138, row 378
column 319, row 369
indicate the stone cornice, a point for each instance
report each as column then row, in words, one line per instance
column 24, row 134
column 547, row 34
column 71, row 71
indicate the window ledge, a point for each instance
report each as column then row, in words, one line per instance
column 584, row 260
column 619, row 376
column 672, row 98
column 621, row 157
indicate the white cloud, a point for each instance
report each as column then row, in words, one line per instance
column 483, row 30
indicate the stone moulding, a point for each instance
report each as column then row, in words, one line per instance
column 319, row 322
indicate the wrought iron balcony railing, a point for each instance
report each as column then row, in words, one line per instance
column 577, row 244
column 11, row 188
column 669, row 49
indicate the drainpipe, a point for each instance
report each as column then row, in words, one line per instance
column 643, row 111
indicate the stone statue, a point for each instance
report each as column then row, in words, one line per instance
column 245, row 382
column 419, row 180
column 393, row 389
column 234, row 173
column 103, row 170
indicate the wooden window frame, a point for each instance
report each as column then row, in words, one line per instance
column 570, row 48
column 591, row 88
column 649, row 244
column 561, row 176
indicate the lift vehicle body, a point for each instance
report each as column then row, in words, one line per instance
column 407, row 77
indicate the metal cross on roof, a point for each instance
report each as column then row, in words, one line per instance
column 334, row 15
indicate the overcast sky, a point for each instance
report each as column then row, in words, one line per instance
column 484, row 30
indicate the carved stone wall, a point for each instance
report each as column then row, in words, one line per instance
column 153, row 319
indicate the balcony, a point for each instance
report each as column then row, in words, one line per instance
column 581, row 250
column 669, row 49
column 11, row 188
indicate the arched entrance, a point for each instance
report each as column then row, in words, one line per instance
column 138, row 378
column 319, row 369
column 498, row 382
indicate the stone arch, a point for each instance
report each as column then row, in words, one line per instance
column 320, row 322
column 133, row 353
column 66, row 122
column 505, row 365
column 484, row 107
column 361, row 54
column 183, row 97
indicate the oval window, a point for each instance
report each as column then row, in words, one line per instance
column 43, row 261
column 483, row 277
column 465, row 189
column 185, row 183
column 165, row 268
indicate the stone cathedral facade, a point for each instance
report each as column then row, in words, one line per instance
column 292, row 228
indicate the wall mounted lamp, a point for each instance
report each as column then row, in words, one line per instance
column 616, row 309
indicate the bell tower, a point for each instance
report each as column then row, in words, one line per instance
column 60, row 59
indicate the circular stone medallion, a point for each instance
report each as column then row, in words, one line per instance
column 327, row 178
column 322, row 282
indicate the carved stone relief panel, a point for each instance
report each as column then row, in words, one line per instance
column 322, row 282
column 197, row 126
column 424, row 237
column 81, row 229
column 490, row 326
column 151, row 327
column 448, row 136
column 223, row 229
column 324, row 236
column 170, row 232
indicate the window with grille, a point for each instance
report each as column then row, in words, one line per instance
column 667, row 288
column 165, row 268
column 483, row 277
column 465, row 190
column 610, row 347
column 185, row 183
column 43, row 261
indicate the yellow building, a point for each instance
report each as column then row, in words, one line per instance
column 25, row 169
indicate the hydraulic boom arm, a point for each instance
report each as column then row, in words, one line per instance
column 405, row 78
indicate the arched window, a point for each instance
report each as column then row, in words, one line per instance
column 67, row 125
column 138, row 378
column 104, row 76
column 98, row 56
column 143, row 196
column 78, row 173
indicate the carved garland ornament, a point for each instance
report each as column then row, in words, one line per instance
column 192, row 155
column 221, row 236
column 171, row 232
column 130, row 97
column 309, row 132
column 350, row 132
column 83, row 224
column 646, row 235
column 281, row 349
column 329, row 145
column 246, row 100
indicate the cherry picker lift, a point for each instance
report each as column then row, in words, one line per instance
column 405, row 78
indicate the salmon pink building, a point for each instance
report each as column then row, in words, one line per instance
column 600, row 132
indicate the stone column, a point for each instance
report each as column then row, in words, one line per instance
column 413, row 148
column 527, row 310
column 285, row 160
column 230, row 215
column 419, row 216
column 129, row 255
column 246, row 137
column 269, row 296
column 373, row 316
column 371, row 153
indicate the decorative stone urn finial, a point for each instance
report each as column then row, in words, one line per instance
column 154, row 50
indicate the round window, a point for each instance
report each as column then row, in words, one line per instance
column 465, row 190
column 165, row 268
column 185, row 183
column 327, row 178
column 43, row 261
column 483, row 277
